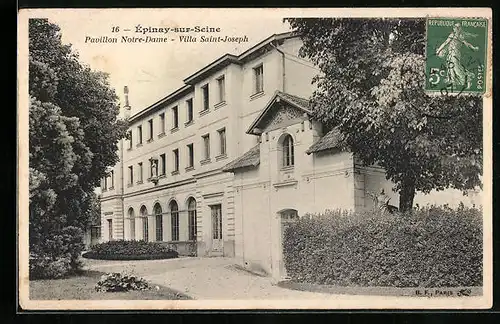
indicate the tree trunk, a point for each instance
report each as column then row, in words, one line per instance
column 406, row 195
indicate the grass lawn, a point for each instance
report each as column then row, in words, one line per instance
column 82, row 287
column 384, row 291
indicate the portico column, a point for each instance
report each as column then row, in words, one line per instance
column 139, row 225
column 126, row 229
column 132, row 228
column 183, row 225
column 151, row 228
column 167, row 232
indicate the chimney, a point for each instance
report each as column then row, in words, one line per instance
column 126, row 107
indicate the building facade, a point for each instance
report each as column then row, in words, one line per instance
column 219, row 166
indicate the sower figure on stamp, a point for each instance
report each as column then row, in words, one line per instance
column 451, row 50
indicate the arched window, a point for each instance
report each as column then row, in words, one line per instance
column 131, row 216
column 145, row 227
column 158, row 222
column 174, row 220
column 288, row 215
column 192, row 218
column 288, row 156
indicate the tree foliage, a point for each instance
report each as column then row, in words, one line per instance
column 73, row 136
column 371, row 87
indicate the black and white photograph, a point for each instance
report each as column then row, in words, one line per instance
column 255, row 158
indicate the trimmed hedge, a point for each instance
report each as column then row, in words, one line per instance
column 130, row 250
column 432, row 247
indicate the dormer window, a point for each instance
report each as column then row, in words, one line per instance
column 288, row 154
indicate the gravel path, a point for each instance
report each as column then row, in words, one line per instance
column 205, row 278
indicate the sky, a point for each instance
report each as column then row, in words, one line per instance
column 153, row 70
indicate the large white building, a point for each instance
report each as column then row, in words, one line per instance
column 218, row 166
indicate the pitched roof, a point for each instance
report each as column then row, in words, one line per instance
column 330, row 140
column 298, row 102
column 250, row 159
column 172, row 97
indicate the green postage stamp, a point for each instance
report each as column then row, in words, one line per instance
column 456, row 55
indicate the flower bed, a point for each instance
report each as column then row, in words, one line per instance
column 115, row 282
column 130, row 250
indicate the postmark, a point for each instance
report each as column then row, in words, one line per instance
column 456, row 56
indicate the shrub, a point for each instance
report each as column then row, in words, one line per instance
column 45, row 267
column 58, row 255
column 130, row 250
column 432, row 247
column 114, row 282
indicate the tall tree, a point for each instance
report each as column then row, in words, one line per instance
column 73, row 136
column 371, row 87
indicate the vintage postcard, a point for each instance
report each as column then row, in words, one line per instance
column 255, row 158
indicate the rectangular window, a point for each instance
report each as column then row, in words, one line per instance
column 206, row 97
column 175, row 116
column 259, row 78
column 189, row 104
column 139, row 134
column 163, row 160
column 190, row 156
column 129, row 137
column 222, row 141
column 139, row 165
column 110, row 229
column 112, row 179
column 103, row 183
column 176, row 160
column 130, row 175
column 221, row 84
column 206, row 147
column 159, row 227
column 150, row 122
column 162, row 123
column 216, row 222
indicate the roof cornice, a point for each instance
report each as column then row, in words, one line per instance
column 209, row 69
column 227, row 59
column 172, row 97
column 216, row 65
column 278, row 95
